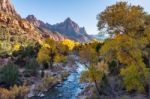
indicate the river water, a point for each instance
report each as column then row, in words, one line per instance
column 70, row 88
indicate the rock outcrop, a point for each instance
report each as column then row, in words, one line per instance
column 68, row 28
column 44, row 30
column 21, row 28
column 6, row 6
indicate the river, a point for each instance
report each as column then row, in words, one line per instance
column 68, row 89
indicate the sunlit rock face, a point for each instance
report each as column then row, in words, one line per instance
column 12, row 23
column 6, row 6
column 17, row 26
column 37, row 29
column 46, row 33
column 68, row 29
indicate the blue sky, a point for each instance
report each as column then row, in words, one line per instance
column 83, row 12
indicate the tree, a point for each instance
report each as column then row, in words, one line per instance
column 62, row 49
column 69, row 43
column 43, row 56
column 95, row 74
column 51, row 52
column 59, row 58
column 95, row 71
column 88, row 55
column 121, row 18
column 129, row 27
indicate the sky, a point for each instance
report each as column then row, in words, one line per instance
column 83, row 12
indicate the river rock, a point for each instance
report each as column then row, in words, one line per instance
column 41, row 95
column 60, row 95
column 31, row 92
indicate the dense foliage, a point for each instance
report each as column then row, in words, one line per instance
column 52, row 52
column 130, row 32
column 9, row 74
column 125, row 54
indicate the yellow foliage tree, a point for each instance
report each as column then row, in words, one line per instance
column 43, row 55
column 69, row 43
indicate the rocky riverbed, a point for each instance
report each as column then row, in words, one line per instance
column 69, row 88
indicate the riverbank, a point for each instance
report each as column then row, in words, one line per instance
column 69, row 88
column 53, row 77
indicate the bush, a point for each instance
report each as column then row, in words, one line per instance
column 9, row 74
column 32, row 67
column 16, row 92
column 47, row 82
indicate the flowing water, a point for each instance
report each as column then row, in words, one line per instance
column 68, row 89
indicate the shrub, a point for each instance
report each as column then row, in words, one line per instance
column 60, row 58
column 9, row 74
column 32, row 67
column 47, row 82
column 16, row 92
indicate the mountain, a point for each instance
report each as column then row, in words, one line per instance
column 6, row 6
column 43, row 29
column 16, row 27
column 32, row 29
column 68, row 28
column 13, row 25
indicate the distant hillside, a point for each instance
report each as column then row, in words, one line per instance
column 68, row 28
column 44, row 30
column 34, row 29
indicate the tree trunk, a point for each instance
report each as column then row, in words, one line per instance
column 51, row 60
column 149, row 88
column 117, row 69
column 96, row 85
column 148, row 79
column 149, row 61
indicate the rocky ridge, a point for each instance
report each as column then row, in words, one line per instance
column 11, row 22
column 68, row 28
column 6, row 6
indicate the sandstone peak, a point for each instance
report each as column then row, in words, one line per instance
column 31, row 17
column 6, row 6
